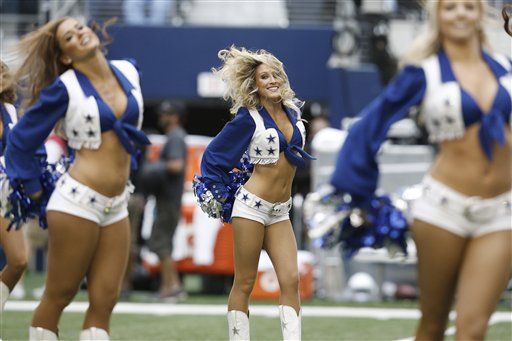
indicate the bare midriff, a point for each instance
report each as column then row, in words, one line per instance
column 106, row 169
column 463, row 166
column 272, row 182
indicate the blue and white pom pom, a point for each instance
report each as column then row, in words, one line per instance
column 382, row 225
column 221, row 206
column 21, row 208
column 331, row 220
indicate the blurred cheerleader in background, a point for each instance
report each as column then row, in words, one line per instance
column 12, row 241
column 462, row 222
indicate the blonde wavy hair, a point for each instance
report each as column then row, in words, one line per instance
column 429, row 41
column 8, row 94
column 239, row 73
column 41, row 52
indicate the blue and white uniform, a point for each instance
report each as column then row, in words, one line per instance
column 76, row 110
column 9, row 119
column 254, row 133
column 447, row 110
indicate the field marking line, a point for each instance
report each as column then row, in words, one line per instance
column 256, row 310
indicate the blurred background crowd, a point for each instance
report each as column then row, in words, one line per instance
column 338, row 55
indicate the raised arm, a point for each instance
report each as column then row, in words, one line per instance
column 356, row 169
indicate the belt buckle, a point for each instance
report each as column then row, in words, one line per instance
column 278, row 208
column 477, row 211
column 107, row 208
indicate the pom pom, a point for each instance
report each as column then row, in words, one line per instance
column 21, row 208
column 221, row 206
column 332, row 220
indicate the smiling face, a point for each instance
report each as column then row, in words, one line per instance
column 459, row 20
column 268, row 83
column 76, row 41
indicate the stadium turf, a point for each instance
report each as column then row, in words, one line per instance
column 14, row 324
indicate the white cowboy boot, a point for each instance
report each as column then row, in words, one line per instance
column 41, row 334
column 290, row 323
column 238, row 324
column 4, row 295
column 94, row 333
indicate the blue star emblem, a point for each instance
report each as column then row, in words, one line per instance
column 75, row 132
column 88, row 118
column 91, row 133
column 271, row 151
column 257, row 150
column 271, row 139
column 258, row 204
column 92, row 200
column 74, row 191
column 245, row 197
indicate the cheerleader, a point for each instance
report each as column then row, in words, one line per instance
column 11, row 241
column 462, row 226
column 96, row 104
column 267, row 126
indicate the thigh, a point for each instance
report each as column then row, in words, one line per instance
column 110, row 258
column 13, row 241
column 281, row 246
column 71, row 244
column 439, row 257
column 248, row 241
column 484, row 274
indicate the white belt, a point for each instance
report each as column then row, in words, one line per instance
column 251, row 200
column 474, row 208
column 78, row 192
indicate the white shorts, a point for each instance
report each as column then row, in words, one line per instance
column 5, row 189
column 72, row 197
column 250, row 206
column 463, row 215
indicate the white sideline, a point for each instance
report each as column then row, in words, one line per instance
column 256, row 310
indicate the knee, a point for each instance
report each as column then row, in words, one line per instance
column 59, row 297
column 289, row 281
column 471, row 326
column 245, row 282
column 17, row 263
column 103, row 299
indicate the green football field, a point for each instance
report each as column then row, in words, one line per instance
column 203, row 318
column 150, row 327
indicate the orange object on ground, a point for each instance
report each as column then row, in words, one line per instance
column 267, row 285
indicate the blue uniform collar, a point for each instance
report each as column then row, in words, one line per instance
column 292, row 150
column 491, row 122
column 124, row 126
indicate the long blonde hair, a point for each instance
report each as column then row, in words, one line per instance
column 8, row 94
column 429, row 41
column 41, row 52
column 239, row 73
